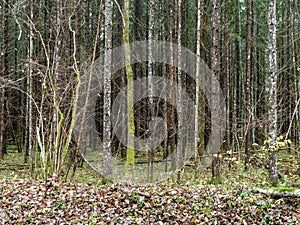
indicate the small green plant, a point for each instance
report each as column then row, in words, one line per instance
column 106, row 181
column 279, row 143
column 135, row 198
column 60, row 204
column 229, row 204
column 263, row 151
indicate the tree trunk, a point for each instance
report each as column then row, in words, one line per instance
column 139, row 118
column 248, row 87
column 57, row 119
column 214, row 94
column 199, row 130
column 179, row 149
column 130, row 89
column 225, row 76
column 238, row 78
column 4, row 71
column 272, row 92
column 29, row 114
column 171, row 117
column 107, row 91
column 150, row 87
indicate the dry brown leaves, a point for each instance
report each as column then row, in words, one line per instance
column 33, row 202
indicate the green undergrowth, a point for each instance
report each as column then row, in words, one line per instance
column 232, row 172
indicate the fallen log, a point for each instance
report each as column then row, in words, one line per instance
column 280, row 192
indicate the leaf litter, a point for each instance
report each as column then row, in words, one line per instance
column 51, row 202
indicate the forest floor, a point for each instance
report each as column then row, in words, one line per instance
column 38, row 202
column 237, row 200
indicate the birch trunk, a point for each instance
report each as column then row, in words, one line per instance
column 171, row 116
column 272, row 92
column 150, row 86
column 29, row 91
column 179, row 149
column 107, row 91
column 197, row 97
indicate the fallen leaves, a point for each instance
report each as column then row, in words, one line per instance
column 33, row 202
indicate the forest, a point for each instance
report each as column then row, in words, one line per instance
column 188, row 105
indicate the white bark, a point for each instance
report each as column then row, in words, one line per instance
column 197, row 78
column 278, row 194
column 172, row 72
column 272, row 91
column 107, row 91
column 150, row 84
column 179, row 94
column 29, row 87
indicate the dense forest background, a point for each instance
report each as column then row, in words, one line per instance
column 251, row 46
